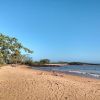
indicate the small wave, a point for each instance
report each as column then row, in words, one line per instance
column 94, row 75
column 79, row 72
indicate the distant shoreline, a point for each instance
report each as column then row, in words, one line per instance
column 60, row 65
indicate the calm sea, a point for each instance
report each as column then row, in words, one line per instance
column 92, row 71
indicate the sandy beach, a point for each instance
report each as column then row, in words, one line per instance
column 22, row 83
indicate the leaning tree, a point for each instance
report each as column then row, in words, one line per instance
column 10, row 49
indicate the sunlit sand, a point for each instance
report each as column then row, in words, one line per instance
column 21, row 83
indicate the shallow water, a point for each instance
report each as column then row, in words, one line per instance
column 92, row 71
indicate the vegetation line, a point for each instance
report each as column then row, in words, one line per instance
column 10, row 53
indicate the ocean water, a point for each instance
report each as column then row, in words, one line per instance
column 91, row 71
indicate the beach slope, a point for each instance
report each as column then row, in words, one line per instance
column 21, row 83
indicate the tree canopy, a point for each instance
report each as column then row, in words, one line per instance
column 10, row 49
column 44, row 61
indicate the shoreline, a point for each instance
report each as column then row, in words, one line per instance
column 61, row 74
column 24, row 83
column 71, row 72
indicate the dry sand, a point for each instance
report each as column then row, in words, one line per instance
column 21, row 83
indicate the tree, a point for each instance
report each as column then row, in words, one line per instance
column 10, row 49
column 44, row 61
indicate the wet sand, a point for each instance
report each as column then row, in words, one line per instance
column 22, row 83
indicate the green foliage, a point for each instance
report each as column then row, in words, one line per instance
column 28, row 60
column 10, row 50
column 44, row 61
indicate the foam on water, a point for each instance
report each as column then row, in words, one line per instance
column 79, row 72
column 95, row 75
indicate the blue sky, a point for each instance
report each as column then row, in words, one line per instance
column 66, row 30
